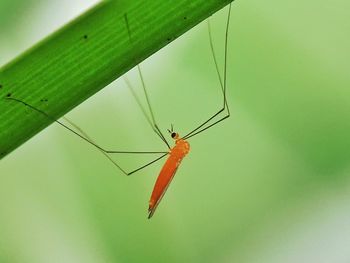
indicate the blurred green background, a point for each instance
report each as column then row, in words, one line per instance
column 271, row 184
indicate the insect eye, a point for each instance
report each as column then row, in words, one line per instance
column 173, row 134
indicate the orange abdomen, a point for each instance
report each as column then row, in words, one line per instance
column 177, row 153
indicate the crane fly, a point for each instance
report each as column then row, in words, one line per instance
column 181, row 148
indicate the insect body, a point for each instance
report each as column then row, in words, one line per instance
column 177, row 153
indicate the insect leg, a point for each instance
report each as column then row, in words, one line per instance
column 108, row 157
column 81, row 134
column 223, row 84
column 153, row 121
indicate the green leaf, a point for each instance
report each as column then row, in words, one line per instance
column 78, row 60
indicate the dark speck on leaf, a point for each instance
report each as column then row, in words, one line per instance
column 185, row 17
column 0, row 86
column 85, row 36
column 9, row 95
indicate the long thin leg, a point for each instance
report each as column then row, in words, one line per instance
column 144, row 166
column 154, row 124
column 86, row 138
column 107, row 156
column 223, row 84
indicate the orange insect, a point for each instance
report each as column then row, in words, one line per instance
column 176, row 153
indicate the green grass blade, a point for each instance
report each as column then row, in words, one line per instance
column 74, row 63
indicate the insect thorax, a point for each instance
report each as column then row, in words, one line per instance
column 181, row 148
